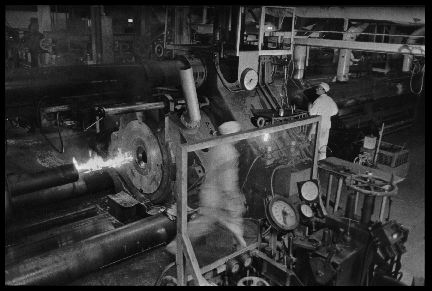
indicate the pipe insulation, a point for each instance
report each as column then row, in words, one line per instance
column 26, row 183
column 68, row 263
column 190, row 94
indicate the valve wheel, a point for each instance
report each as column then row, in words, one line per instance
column 168, row 281
column 371, row 185
column 261, row 121
column 252, row 281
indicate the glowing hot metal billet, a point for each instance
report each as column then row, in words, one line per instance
column 97, row 163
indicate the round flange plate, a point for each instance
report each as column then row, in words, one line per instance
column 145, row 171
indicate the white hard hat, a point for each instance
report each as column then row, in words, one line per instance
column 325, row 86
column 229, row 127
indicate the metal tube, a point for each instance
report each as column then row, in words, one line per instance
column 128, row 108
column 368, row 209
column 407, row 61
column 190, row 94
column 350, row 206
column 68, row 263
column 299, row 61
column 26, row 183
column 87, row 184
column 345, row 54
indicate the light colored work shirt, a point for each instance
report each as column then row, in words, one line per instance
column 326, row 107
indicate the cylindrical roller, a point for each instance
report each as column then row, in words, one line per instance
column 68, row 263
column 26, row 183
column 350, row 206
column 88, row 183
column 190, row 94
column 368, row 209
column 128, row 108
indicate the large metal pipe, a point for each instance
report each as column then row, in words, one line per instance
column 26, row 183
column 125, row 80
column 190, row 94
column 87, row 183
column 68, row 263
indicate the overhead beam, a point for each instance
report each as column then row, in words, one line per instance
column 392, row 48
column 400, row 14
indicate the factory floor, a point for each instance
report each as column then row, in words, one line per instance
column 408, row 208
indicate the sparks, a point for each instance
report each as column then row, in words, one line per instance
column 97, row 163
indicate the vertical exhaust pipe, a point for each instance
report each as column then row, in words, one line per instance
column 407, row 61
column 299, row 61
column 193, row 117
column 345, row 54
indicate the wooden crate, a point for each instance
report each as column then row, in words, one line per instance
column 393, row 158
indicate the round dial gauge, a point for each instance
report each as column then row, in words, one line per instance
column 249, row 79
column 306, row 211
column 281, row 214
column 309, row 191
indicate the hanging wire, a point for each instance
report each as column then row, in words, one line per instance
column 250, row 168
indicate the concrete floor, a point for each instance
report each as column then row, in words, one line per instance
column 409, row 206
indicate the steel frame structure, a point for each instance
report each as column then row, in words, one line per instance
column 185, row 252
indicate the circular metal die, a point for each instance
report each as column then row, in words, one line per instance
column 145, row 171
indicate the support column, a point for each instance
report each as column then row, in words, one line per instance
column 44, row 18
column 96, row 33
column 107, row 39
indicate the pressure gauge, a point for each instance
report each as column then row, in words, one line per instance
column 306, row 211
column 308, row 190
column 281, row 214
column 233, row 266
column 249, row 79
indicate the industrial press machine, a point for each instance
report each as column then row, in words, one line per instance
column 104, row 162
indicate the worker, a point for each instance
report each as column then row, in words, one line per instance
column 326, row 108
column 221, row 200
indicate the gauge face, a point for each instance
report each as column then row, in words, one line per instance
column 283, row 215
column 306, row 211
column 249, row 79
column 309, row 191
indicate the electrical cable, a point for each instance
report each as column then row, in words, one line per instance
column 158, row 280
column 422, row 82
column 250, row 168
column 272, row 174
column 363, row 265
column 197, row 183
